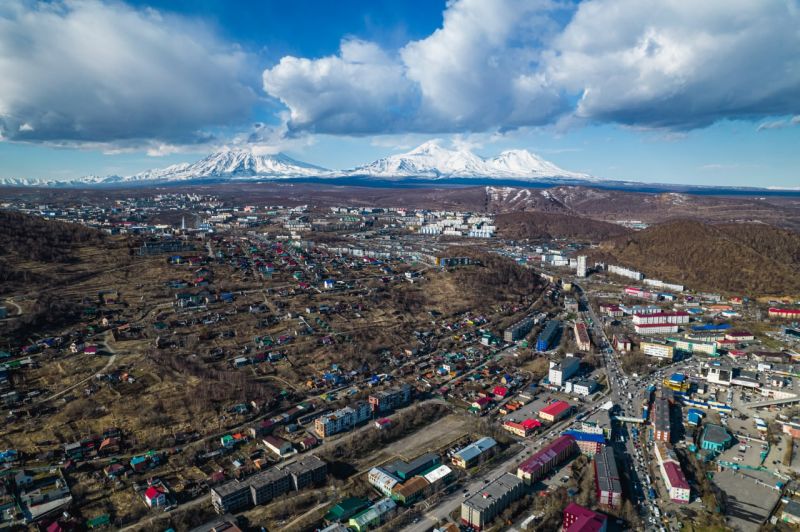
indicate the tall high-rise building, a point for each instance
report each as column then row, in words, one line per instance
column 582, row 266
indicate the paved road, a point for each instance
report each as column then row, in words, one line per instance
column 628, row 456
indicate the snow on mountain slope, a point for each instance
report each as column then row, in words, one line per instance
column 430, row 160
column 233, row 164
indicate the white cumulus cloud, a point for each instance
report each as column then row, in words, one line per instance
column 86, row 72
column 680, row 64
column 649, row 64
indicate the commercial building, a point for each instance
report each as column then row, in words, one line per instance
column 561, row 371
column 589, row 443
column 483, row 507
column 518, row 330
column 547, row 338
column 410, row 490
column 580, row 519
column 374, row 516
column 657, row 348
column 582, row 339
column 405, row 470
column 546, row 459
column 606, row 476
column 655, row 328
column 342, row 420
column 715, row 438
column 555, row 411
column 661, row 420
column 671, row 473
column 387, row 400
column 611, row 309
column 474, row 453
column 676, row 483
column 522, row 429
column 584, row 387
column 622, row 343
column 382, row 481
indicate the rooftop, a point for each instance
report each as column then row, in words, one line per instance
column 492, row 491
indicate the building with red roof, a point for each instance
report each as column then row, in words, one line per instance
column 155, row 496
column 555, row 411
column 785, row 313
column 675, row 481
column 523, row 429
column 580, row 519
column 545, row 460
column 499, row 393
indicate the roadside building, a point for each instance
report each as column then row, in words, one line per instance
column 679, row 317
column 278, row 446
column 607, row 480
column 342, row 420
column 518, row 330
column 482, row 507
column 582, row 339
column 405, row 470
column 584, row 387
column 344, row 510
column 580, row 519
column 522, row 429
column 546, row 459
column 661, row 420
column 657, row 348
column 231, row 497
column 410, row 490
column 655, row 328
column 715, row 438
column 791, row 513
column 378, row 513
column 474, row 453
column 589, row 443
column 560, row 372
column 387, row 400
column 622, row 342
column 676, row 483
column 548, row 336
column 671, row 473
column 555, row 411
column 382, row 481
column 784, row 313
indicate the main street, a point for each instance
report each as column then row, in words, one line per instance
column 624, row 393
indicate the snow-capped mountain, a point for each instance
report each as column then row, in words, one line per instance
column 428, row 161
column 235, row 164
column 231, row 164
column 431, row 161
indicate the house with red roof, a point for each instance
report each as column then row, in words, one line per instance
column 155, row 496
column 499, row 393
column 481, row 403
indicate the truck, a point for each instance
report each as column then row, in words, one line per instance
column 652, row 493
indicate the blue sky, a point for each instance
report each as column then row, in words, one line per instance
column 623, row 89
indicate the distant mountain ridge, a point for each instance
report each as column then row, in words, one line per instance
column 432, row 161
column 427, row 161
